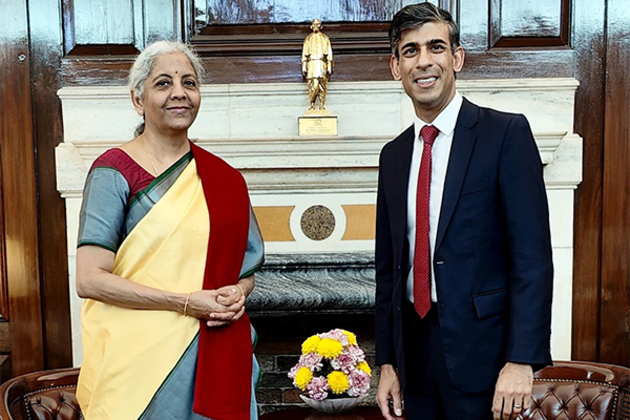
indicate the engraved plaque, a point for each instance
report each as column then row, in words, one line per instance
column 317, row 125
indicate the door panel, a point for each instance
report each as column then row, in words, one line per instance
column 19, row 205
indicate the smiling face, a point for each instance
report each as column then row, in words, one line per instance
column 171, row 97
column 426, row 65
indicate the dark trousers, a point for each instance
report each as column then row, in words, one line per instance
column 429, row 394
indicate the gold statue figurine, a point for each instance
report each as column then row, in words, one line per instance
column 317, row 66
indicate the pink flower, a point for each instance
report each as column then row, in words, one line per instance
column 311, row 360
column 340, row 336
column 356, row 352
column 317, row 388
column 359, row 383
column 336, row 334
column 345, row 362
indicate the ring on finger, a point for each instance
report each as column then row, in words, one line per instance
column 517, row 405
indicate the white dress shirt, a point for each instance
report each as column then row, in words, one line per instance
column 445, row 122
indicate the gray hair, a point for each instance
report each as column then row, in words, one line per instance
column 416, row 15
column 145, row 61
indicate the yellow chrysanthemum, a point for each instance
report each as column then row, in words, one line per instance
column 329, row 347
column 352, row 339
column 310, row 344
column 364, row 367
column 338, row 382
column 303, row 377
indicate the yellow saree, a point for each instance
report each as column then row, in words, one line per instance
column 129, row 353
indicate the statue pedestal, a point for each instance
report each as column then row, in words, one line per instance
column 317, row 123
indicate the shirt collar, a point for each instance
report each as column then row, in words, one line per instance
column 446, row 121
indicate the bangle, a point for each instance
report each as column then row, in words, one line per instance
column 241, row 289
column 186, row 304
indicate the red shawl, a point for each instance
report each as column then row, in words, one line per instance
column 224, row 364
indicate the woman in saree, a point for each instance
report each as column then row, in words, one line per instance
column 168, row 247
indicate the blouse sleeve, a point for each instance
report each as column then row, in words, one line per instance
column 255, row 253
column 104, row 208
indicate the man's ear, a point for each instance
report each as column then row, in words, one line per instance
column 138, row 104
column 393, row 67
column 458, row 59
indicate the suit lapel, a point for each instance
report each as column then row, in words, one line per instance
column 461, row 150
column 401, row 168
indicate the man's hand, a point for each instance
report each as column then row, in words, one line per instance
column 513, row 391
column 389, row 390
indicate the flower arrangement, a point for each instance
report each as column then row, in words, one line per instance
column 332, row 364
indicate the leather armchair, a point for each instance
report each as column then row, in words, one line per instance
column 42, row 395
column 580, row 391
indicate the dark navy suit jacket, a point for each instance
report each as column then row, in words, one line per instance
column 492, row 260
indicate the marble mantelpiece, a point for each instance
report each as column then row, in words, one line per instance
column 293, row 284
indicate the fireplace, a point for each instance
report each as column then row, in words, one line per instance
column 314, row 197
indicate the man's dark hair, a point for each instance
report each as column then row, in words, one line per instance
column 416, row 15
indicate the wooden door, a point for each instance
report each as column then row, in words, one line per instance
column 34, row 311
column 20, row 313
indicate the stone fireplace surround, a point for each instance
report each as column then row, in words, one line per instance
column 309, row 284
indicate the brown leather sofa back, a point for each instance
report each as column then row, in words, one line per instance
column 45, row 395
column 580, row 390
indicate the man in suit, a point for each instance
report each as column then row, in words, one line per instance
column 463, row 253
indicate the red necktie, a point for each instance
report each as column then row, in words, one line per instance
column 422, row 252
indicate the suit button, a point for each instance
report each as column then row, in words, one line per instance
column 398, row 308
column 399, row 266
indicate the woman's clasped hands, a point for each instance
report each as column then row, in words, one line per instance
column 218, row 307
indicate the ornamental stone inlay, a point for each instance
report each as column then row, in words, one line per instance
column 317, row 223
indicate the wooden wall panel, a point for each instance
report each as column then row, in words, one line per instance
column 117, row 27
column 590, row 64
column 451, row 5
column 162, row 20
column 270, row 53
column 103, row 22
column 5, row 368
column 4, row 296
column 103, row 27
column 348, row 67
column 221, row 12
column 615, row 303
column 271, row 28
column 531, row 19
column 532, row 23
column 46, row 53
column 5, row 337
column 473, row 25
column 19, row 190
